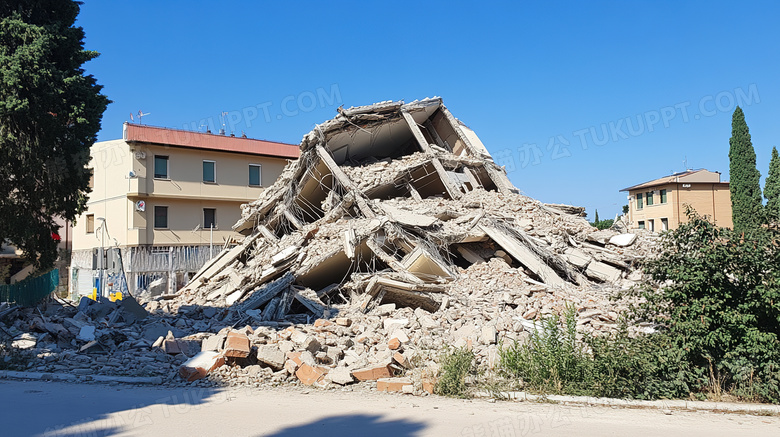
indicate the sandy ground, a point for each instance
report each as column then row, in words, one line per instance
column 61, row 409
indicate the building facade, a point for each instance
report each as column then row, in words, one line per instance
column 168, row 199
column 660, row 204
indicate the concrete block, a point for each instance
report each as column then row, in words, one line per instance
column 214, row 343
column 488, row 335
column 87, row 333
column 271, row 356
column 391, row 325
column 340, row 375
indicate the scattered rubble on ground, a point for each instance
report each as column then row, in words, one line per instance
column 393, row 236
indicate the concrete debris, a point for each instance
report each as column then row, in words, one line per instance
column 200, row 365
column 623, row 240
column 393, row 235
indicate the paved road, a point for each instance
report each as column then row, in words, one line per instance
column 61, row 409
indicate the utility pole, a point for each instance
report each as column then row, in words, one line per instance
column 101, row 261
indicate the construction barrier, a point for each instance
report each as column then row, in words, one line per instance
column 31, row 290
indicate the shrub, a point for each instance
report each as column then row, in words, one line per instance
column 552, row 361
column 720, row 306
column 456, row 364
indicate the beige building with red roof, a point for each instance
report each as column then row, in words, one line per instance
column 659, row 205
column 168, row 199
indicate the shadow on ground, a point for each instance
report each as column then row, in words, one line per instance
column 354, row 424
column 64, row 410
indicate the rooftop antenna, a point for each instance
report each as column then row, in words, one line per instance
column 222, row 119
column 141, row 116
column 685, row 163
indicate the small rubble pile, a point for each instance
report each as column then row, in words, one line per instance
column 400, row 206
column 94, row 338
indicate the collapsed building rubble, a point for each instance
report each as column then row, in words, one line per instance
column 393, row 235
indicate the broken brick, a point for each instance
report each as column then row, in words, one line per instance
column 310, row 375
column 237, row 345
column 372, row 373
column 393, row 384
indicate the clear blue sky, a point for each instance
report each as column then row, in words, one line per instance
column 660, row 78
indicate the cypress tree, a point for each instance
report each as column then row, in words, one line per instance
column 50, row 112
column 596, row 219
column 772, row 186
column 746, row 206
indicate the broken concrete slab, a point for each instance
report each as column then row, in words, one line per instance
column 623, row 240
column 272, row 356
column 200, row 365
column 603, row 272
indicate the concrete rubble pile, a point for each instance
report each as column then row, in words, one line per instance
column 393, row 236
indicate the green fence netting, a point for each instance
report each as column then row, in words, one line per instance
column 31, row 290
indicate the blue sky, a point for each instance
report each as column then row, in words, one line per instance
column 577, row 99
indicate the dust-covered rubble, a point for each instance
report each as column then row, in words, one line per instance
column 392, row 237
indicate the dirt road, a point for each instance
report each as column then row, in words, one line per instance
column 60, row 409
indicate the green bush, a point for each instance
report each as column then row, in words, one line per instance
column 618, row 365
column 552, row 361
column 718, row 316
column 720, row 307
column 456, row 364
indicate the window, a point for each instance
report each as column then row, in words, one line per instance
column 161, row 217
column 649, row 197
column 254, row 175
column 663, row 196
column 651, row 225
column 639, row 201
column 641, row 224
column 160, row 167
column 92, row 179
column 90, row 223
column 209, row 218
column 209, row 171
column 664, row 224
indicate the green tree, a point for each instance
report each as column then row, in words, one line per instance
column 50, row 113
column 772, row 186
column 596, row 219
column 745, row 190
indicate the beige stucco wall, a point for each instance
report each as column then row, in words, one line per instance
column 185, row 173
column 657, row 211
column 708, row 199
column 110, row 168
column 115, row 193
column 184, row 215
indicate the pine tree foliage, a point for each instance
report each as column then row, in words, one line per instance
column 746, row 206
column 772, row 186
column 50, row 113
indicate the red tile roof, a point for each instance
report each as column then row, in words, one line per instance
column 208, row 141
